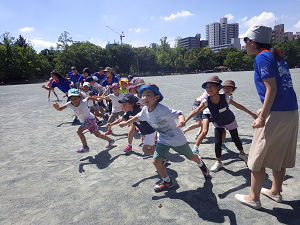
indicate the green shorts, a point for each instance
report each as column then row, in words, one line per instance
column 162, row 151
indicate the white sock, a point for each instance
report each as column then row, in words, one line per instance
column 166, row 179
column 201, row 162
column 130, row 144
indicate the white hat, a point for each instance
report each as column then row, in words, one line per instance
column 259, row 33
column 86, row 84
column 95, row 78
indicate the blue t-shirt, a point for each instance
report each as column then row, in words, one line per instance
column 81, row 79
column 63, row 85
column 266, row 66
column 143, row 126
column 75, row 78
column 114, row 80
column 100, row 77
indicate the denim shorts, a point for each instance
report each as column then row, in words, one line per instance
column 198, row 116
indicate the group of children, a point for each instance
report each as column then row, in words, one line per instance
column 137, row 106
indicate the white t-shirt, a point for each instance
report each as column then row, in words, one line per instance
column 87, row 94
column 116, row 106
column 163, row 120
column 82, row 111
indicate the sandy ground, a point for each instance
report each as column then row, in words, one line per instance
column 44, row 181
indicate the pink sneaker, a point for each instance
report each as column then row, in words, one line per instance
column 110, row 143
column 108, row 132
column 128, row 148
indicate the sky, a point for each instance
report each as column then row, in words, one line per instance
column 143, row 21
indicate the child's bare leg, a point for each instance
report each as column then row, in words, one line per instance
column 193, row 126
column 148, row 149
column 195, row 158
column 102, row 136
column 55, row 94
column 81, row 136
column 205, row 126
column 160, row 167
column 131, row 133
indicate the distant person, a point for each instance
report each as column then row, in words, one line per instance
column 85, row 74
column 130, row 79
column 222, row 118
column 74, row 76
column 52, row 89
column 123, row 86
column 116, row 107
column 100, row 75
column 162, row 119
column 276, row 128
column 87, row 119
column 110, row 78
column 60, row 82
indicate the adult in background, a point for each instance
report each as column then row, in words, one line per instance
column 276, row 128
column 74, row 76
column 107, row 83
column 85, row 73
column 100, row 75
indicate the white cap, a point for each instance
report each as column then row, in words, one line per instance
column 259, row 33
column 95, row 78
column 86, row 84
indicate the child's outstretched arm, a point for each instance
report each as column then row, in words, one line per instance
column 109, row 125
column 59, row 108
column 181, row 121
column 131, row 120
column 243, row 108
column 200, row 108
column 47, row 88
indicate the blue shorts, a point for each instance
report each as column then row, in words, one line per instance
column 206, row 116
column 198, row 116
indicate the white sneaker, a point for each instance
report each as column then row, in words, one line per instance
column 252, row 204
column 244, row 157
column 216, row 167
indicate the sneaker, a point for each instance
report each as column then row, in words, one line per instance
column 276, row 198
column 252, row 204
column 75, row 121
column 223, row 147
column 83, row 149
column 128, row 148
column 163, row 186
column 195, row 150
column 216, row 167
column 110, row 143
column 244, row 157
column 196, row 136
column 205, row 170
column 108, row 132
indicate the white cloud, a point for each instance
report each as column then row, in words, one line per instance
column 173, row 16
column 229, row 16
column 26, row 29
column 137, row 30
column 244, row 19
column 38, row 43
column 297, row 26
column 265, row 18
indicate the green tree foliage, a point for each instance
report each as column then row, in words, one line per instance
column 19, row 62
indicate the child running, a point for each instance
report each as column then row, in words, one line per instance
column 130, row 107
column 162, row 119
column 222, row 118
column 116, row 107
column 51, row 79
column 86, row 118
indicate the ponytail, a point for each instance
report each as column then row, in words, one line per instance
column 276, row 53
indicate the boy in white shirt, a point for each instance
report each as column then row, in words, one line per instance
column 162, row 119
column 87, row 119
column 116, row 106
